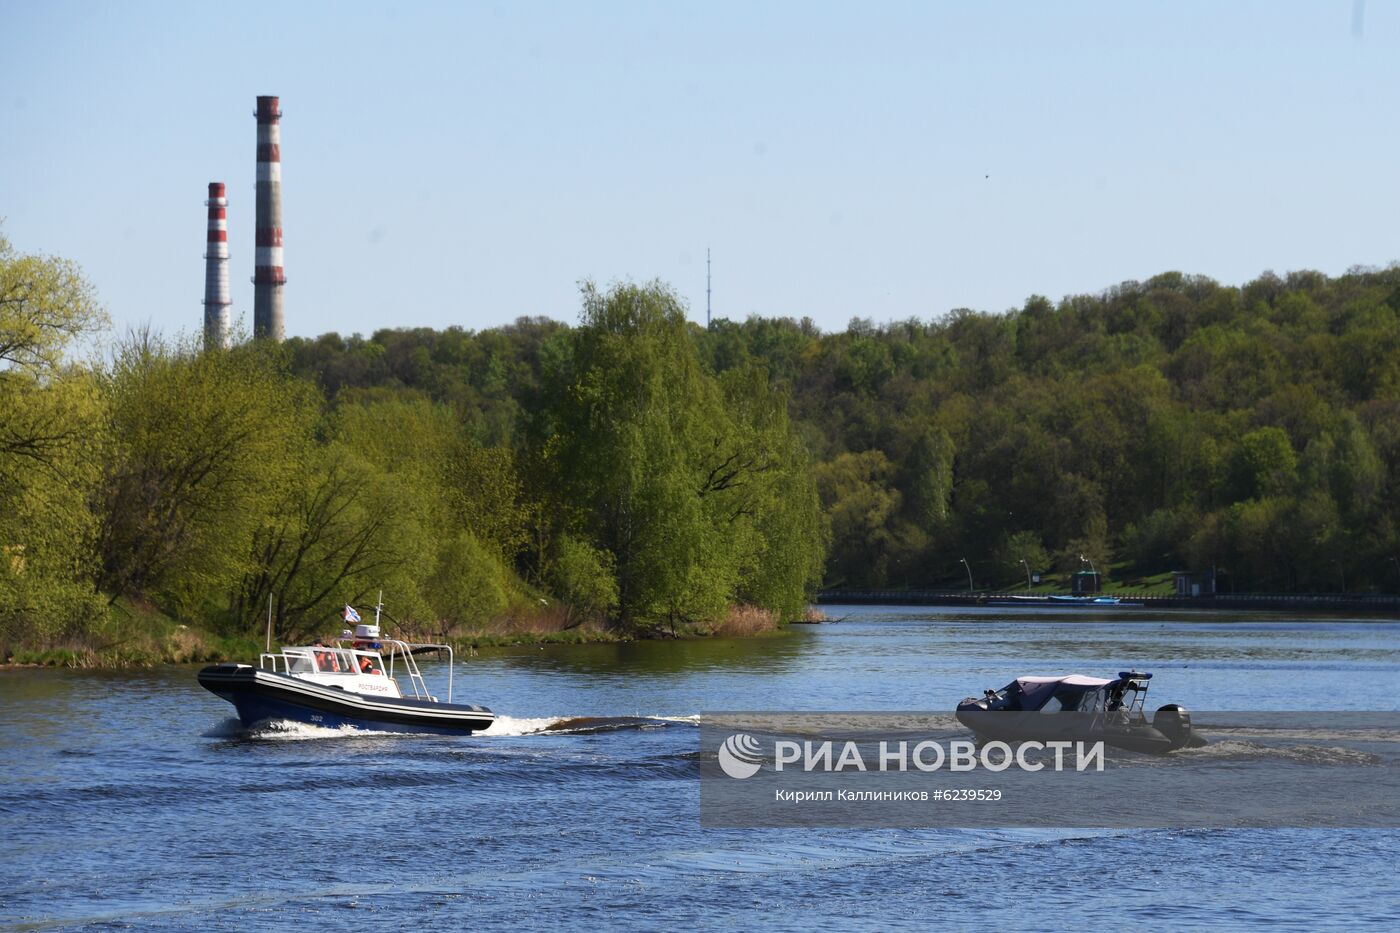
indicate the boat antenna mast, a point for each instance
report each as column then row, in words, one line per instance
column 269, row 623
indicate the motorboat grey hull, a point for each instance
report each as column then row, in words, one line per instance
column 1076, row 708
column 1137, row 735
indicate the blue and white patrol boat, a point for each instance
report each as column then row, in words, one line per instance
column 359, row 679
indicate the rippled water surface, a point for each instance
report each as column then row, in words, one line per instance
column 133, row 798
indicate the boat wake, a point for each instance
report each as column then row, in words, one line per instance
column 1238, row 750
column 287, row 730
column 510, row 725
column 581, row 725
column 229, row 728
column 284, row 730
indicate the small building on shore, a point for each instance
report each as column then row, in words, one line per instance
column 1194, row 582
column 1085, row 583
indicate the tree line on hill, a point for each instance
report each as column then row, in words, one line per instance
column 1171, row 424
column 640, row 468
column 634, row 485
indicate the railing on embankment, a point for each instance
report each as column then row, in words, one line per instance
column 1368, row 603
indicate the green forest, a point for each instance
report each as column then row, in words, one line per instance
column 637, row 473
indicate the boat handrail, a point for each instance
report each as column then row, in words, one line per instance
column 268, row 660
column 399, row 648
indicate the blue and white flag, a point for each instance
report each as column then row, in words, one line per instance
column 350, row 615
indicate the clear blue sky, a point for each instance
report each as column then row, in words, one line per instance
column 470, row 163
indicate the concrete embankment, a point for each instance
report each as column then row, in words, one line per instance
column 1368, row 604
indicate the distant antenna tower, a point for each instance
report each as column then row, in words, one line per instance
column 707, row 288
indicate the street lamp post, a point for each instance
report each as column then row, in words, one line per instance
column 1028, row 574
column 968, row 568
column 1094, row 570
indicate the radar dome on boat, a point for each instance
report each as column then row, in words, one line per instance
column 367, row 631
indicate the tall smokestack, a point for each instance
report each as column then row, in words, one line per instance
column 268, row 277
column 216, row 290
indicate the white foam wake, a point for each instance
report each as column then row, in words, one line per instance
column 226, row 729
column 510, row 725
column 287, row 730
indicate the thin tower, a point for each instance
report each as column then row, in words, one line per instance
column 268, row 277
column 707, row 288
column 216, row 290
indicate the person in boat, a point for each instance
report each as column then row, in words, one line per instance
column 325, row 659
column 367, row 665
column 1115, row 696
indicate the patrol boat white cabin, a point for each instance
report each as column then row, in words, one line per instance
column 360, row 679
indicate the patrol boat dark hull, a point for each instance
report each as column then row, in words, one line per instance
column 260, row 695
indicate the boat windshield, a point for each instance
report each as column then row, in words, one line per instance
column 333, row 661
column 319, row 659
column 367, row 662
column 1073, row 699
column 298, row 663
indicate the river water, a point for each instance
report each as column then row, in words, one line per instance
column 132, row 798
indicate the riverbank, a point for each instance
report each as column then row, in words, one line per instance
column 1378, row 604
column 139, row 635
column 131, row 634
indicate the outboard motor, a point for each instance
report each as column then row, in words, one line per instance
column 1174, row 722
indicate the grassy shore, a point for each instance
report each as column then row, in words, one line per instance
column 139, row 635
column 133, row 635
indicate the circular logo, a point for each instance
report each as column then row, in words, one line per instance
column 740, row 756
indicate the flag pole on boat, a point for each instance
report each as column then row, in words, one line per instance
column 269, row 622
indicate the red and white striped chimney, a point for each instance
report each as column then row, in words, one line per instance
column 268, row 277
column 216, row 290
